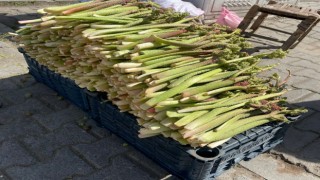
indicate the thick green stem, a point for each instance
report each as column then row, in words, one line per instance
column 189, row 118
column 215, row 122
column 209, row 116
column 213, row 136
column 185, row 77
column 59, row 9
column 178, row 89
column 219, row 76
column 176, row 114
column 113, row 20
column 240, row 100
column 224, row 89
column 142, row 27
column 213, row 85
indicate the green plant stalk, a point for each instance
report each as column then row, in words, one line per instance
column 147, row 73
column 129, row 19
column 160, row 115
column 178, row 89
column 224, row 89
column 148, row 134
column 151, row 125
column 149, row 131
column 197, row 66
column 212, row 101
column 159, row 64
column 199, row 97
column 106, row 11
column 185, row 63
column 106, row 26
column 151, row 51
column 137, row 22
column 175, row 135
column 142, row 27
column 219, row 76
column 159, row 108
column 176, row 114
column 216, row 136
column 185, row 77
column 90, row 5
column 295, row 112
column 139, row 86
column 273, row 115
column 215, row 122
column 59, row 9
column 139, row 14
column 148, row 31
column 121, row 53
column 154, row 55
column 156, row 88
column 223, row 43
column 182, row 141
column 127, row 65
column 146, row 45
column 177, row 43
column 30, row 21
column 174, row 76
column 184, row 20
column 233, row 102
column 168, row 121
column 167, row 34
column 103, row 6
column 232, row 120
column 112, row 36
column 147, row 63
column 168, row 103
column 209, row 116
column 217, row 143
column 113, row 20
column 213, row 85
column 177, row 52
column 189, row 118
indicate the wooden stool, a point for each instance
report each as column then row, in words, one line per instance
column 309, row 18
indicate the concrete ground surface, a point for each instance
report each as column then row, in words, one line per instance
column 42, row 135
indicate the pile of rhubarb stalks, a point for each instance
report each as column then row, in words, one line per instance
column 191, row 82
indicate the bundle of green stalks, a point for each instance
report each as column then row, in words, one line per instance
column 194, row 83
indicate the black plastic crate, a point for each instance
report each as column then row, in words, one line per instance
column 32, row 66
column 74, row 93
column 91, row 98
column 184, row 161
column 63, row 86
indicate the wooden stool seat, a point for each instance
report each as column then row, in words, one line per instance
column 309, row 18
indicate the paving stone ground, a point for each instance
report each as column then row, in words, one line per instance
column 41, row 136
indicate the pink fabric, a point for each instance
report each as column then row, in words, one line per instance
column 228, row 18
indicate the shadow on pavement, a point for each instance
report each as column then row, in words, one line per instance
column 11, row 21
column 30, row 110
column 302, row 140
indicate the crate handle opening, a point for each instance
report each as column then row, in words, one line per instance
column 205, row 154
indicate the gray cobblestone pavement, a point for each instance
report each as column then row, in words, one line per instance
column 41, row 136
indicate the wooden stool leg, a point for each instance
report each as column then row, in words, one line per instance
column 258, row 22
column 254, row 10
column 304, row 34
column 308, row 30
column 299, row 33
